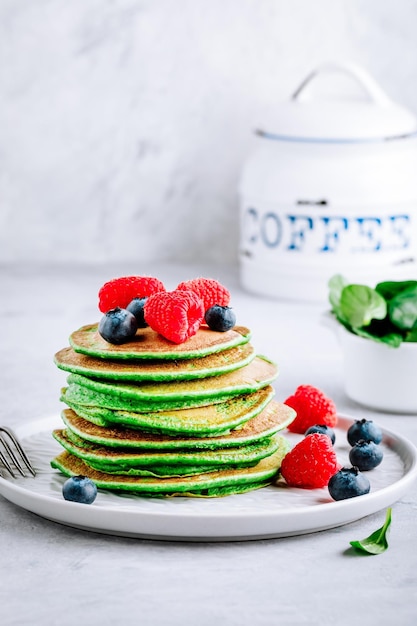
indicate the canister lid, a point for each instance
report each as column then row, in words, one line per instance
column 370, row 115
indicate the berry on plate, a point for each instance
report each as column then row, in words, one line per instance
column 364, row 429
column 79, row 489
column 118, row 326
column 366, row 455
column 311, row 462
column 209, row 290
column 220, row 318
column 312, row 407
column 324, row 429
column 119, row 292
column 176, row 315
column 348, row 482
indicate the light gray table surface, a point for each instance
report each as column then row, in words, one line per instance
column 53, row 574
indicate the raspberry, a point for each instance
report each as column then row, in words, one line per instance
column 176, row 315
column 312, row 407
column 311, row 463
column 209, row 290
column 119, row 292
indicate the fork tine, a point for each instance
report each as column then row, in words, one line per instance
column 12, row 456
column 16, row 460
column 20, row 450
column 6, row 463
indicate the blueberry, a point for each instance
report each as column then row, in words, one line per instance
column 348, row 482
column 220, row 318
column 79, row 489
column 364, row 429
column 323, row 429
column 365, row 455
column 118, row 326
column 136, row 308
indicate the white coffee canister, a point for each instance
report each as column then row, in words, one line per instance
column 331, row 187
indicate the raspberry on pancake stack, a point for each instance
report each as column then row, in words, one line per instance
column 166, row 395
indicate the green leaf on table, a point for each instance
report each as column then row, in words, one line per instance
column 378, row 541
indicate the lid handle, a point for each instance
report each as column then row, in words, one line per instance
column 362, row 78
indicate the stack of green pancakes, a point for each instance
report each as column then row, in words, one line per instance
column 160, row 419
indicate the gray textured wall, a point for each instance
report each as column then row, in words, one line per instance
column 124, row 124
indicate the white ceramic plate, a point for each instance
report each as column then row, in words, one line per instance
column 275, row 511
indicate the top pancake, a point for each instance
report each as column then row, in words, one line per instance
column 147, row 344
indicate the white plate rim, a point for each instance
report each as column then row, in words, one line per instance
column 226, row 525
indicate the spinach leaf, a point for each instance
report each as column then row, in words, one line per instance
column 391, row 339
column 360, row 304
column 402, row 309
column 382, row 331
column 378, row 541
column 336, row 285
column 411, row 336
column 389, row 289
column 387, row 314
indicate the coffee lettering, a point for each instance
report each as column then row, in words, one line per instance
column 370, row 234
column 299, row 225
column 271, row 229
column 333, row 226
column 400, row 228
column 326, row 234
column 251, row 225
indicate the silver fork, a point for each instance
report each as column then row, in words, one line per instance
column 12, row 455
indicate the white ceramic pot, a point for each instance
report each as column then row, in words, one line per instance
column 378, row 376
column 330, row 187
